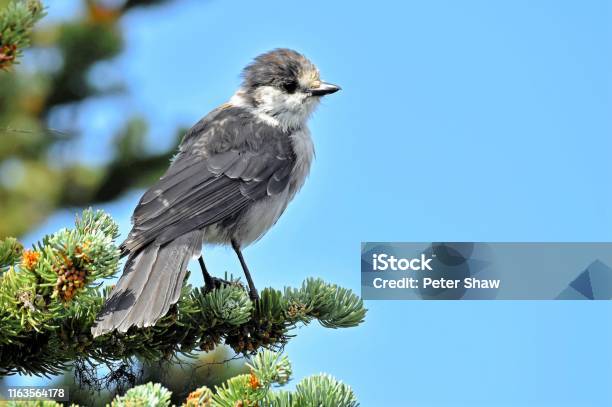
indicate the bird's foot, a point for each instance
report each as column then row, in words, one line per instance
column 213, row 283
column 253, row 294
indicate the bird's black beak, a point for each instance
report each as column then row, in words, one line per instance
column 324, row 89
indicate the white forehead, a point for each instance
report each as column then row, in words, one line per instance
column 309, row 77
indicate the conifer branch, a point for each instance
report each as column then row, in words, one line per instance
column 16, row 23
column 51, row 294
column 268, row 370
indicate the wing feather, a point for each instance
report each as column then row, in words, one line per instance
column 225, row 162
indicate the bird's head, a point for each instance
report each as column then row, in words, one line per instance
column 285, row 86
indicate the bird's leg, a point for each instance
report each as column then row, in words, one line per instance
column 252, row 290
column 209, row 282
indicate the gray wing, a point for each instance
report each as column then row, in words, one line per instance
column 225, row 162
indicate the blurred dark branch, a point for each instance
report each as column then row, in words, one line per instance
column 132, row 166
column 34, row 179
column 137, row 3
column 81, row 44
column 116, row 182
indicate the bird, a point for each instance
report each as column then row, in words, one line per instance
column 234, row 174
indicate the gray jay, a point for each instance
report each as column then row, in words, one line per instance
column 233, row 176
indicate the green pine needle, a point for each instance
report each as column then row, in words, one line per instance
column 16, row 22
column 50, row 296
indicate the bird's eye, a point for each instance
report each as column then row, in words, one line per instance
column 290, row 87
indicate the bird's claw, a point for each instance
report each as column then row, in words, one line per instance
column 214, row 282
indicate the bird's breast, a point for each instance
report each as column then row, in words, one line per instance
column 265, row 212
column 303, row 148
column 260, row 217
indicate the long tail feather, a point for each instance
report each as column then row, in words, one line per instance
column 150, row 284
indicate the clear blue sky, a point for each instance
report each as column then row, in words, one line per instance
column 471, row 120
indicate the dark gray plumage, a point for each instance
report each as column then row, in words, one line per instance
column 226, row 161
column 234, row 174
column 278, row 68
